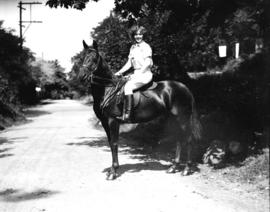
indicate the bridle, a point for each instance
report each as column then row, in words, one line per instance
column 97, row 80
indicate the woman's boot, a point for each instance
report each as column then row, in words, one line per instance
column 127, row 108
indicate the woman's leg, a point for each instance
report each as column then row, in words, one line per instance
column 128, row 101
column 135, row 82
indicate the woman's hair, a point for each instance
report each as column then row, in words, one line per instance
column 136, row 29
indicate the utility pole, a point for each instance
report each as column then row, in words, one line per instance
column 29, row 22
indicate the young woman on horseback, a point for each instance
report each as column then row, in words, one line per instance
column 169, row 97
column 140, row 59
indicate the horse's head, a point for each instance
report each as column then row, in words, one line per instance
column 94, row 68
column 91, row 58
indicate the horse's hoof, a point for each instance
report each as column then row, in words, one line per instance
column 171, row 170
column 111, row 176
column 186, row 172
column 108, row 174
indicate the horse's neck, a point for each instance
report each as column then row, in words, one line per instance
column 105, row 70
column 98, row 91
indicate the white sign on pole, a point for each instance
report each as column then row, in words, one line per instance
column 38, row 89
column 237, row 47
column 222, row 51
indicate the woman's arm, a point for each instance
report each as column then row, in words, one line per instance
column 125, row 68
column 147, row 54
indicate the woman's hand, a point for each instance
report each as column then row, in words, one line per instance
column 118, row 74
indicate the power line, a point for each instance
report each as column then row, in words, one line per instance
column 21, row 21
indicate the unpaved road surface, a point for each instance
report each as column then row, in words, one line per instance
column 56, row 163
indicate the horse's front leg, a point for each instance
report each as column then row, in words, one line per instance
column 113, row 142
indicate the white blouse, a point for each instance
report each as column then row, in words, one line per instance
column 138, row 54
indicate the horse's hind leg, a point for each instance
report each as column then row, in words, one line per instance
column 176, row 164
column 180, row 134
column 188, row 169
column 184, row 136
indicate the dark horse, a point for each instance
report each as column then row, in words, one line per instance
column 168, row 97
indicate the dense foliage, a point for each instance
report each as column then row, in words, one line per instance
column 184, row 34
column 15, row 75
column 50, row 77
column 21, row 73
column 76, row 84
column 77, row 4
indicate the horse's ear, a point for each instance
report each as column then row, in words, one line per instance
column 85, row 46
column 95, row 45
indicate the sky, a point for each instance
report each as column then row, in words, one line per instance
column 61, row 32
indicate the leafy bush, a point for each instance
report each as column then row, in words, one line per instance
column 231, row 103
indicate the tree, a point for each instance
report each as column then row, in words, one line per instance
column 184, row 34
column 51, row 78
column 114, row 42
column 14, row 69
column 76, row 4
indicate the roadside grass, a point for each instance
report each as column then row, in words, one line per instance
column 253, row 170
column 9, row 115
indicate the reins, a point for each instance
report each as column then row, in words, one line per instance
column 112, row 92
column 108, row 82
column 114, row 84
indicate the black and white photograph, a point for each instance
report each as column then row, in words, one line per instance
column 134, row 105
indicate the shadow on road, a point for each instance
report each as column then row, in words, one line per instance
column 15, row 195
column 4, row 141
column 34, row 112
column 130, row 147
column 149, row 155
column 137, row 167
column 150, row 159
column 5, row 155
column 46, row 102
column 95, row 142
column 4, row 150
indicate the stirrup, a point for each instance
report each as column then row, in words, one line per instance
column 124, row 118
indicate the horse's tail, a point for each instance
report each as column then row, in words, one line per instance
column 195, row 125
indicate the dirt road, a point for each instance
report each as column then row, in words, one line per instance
column 56, row 163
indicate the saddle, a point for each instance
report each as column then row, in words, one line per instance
column 141, row 91
column 115, row 95
column 149, row 86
